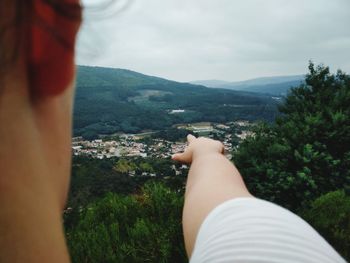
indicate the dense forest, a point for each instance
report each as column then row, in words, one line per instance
column 301, row 161
column 116, row 100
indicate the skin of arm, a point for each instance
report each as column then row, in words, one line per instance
column 212, row 180
column 35, row 169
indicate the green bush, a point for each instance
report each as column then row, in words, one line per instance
column 306, row 152
column 136, row 228
column 330, row 216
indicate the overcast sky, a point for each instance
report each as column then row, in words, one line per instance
column 187, row 40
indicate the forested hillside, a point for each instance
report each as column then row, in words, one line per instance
column 116, row 100
column 302, row 162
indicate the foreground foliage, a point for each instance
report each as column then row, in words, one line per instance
column 306, row 153
column 330, row 216
column 136, row 228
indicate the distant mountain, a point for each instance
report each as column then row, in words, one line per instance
column 211, row 83
column 117, row 100
column 270, row 85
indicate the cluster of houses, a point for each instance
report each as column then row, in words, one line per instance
column 131, row 145
column 127, row 145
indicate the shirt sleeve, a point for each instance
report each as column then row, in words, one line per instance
column 251, row 230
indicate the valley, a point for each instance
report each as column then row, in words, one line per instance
column 116, row 100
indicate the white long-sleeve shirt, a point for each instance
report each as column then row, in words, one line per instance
column 250, row 230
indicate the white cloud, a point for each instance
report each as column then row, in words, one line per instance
column 219, row 39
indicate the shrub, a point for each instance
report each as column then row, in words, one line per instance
column 330, row 216
column 135, row 228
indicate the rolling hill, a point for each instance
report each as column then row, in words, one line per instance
column 117, row 100
column 277, row 86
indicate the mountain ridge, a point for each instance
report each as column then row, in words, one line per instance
column 117, row 100
column 84, row 73
column 275, row 85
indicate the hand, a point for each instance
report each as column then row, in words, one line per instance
column 198, row 147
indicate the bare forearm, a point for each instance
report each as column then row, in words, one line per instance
column 212, row 180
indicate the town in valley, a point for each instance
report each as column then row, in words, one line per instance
column 148, row 145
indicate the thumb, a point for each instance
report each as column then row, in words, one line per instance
column 185, row 157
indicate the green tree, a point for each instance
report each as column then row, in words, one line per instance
column 146, row 167
column 125, row 166
column 306, row 153
column 135, row 228
column 330, row 215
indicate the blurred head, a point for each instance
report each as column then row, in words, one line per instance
column 37, row 71
column 40, row 36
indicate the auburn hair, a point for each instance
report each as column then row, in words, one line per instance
column 46, row 31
